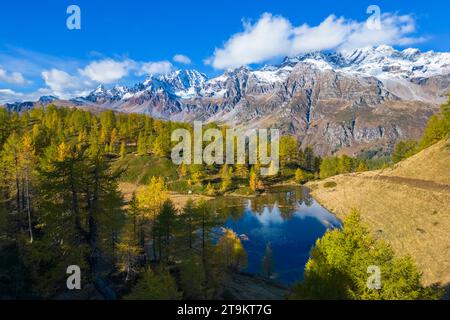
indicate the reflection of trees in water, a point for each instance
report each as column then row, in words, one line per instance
column 291, row 196
column 268, row 264
column 286, row 213
column 307, row 198
column 278, row 201
column 235, row 212
column 229, row 207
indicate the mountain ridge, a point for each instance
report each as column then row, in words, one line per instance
column 350, row 100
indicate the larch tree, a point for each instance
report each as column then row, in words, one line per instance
column 189, row 222
column 230, row 250
column 166, row 227
column 151, row 200
column 339, row 264
column 28, row 161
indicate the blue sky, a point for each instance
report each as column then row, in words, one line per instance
column 124, row 41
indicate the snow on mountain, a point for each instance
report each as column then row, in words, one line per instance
column 382, row 61
column 181, row 83
column 47, row 99
column 272, row 74
column 386, row 61
column 392, row 67
column 103, row 94
column 370, row 96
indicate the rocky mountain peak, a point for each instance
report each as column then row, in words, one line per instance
column 333, row 100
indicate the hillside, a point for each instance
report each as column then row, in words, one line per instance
column 407, row 205
column 432, row 164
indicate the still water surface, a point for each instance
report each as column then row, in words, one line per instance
column 287, row 218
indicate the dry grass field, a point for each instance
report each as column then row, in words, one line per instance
column 407, row 205
column 179, row 199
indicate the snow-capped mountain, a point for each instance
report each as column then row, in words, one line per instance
column 182, row 83
column 101, row 94
column 383, row 63
column 351, row 99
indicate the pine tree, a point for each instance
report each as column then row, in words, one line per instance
column 197, row 178
column 28, row 160
column 131, row 243
column 189, row 222
column 192, row 277
column 241, row 171
column 209, row 190
column 438, row 127
column 345, row 164
column 309, row 158
column 122, row 150
column 300, row 176
column 328, row 167
column 227, row 178
column 182, row 170
column 362, row 167
column 254, row 182
column 207, row 219
column 112, row 140
column 289, row 151
column 151, row 200
column 160, row 147
column 11, row 159
column 165, row 228
column 337, row 268
column 128, row 251
column 108, row 122
column 403, row 150
column 64, row 239
column 155, row 285
column 230, row 250
column 79, row 192
column 142, row 144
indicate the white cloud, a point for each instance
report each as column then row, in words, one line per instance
column 8, row 95
column 67, row 77
column 266, row 39
column 70, row 79
column 60, row 82
column 64, row 85
column 158, row 67
column 108, row 70
column 13, row 77
column 274, row 36
column 395, row 30
column 9, row 92
column 181, row 58
column 329, row 34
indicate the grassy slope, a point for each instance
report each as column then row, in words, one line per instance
column 408, row 205
column 139, row 171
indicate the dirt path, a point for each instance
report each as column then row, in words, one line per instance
column 414, row 183
column 413, row 215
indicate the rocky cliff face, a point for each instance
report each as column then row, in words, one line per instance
column 339, row 102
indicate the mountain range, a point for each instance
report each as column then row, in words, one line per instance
column 363, row 100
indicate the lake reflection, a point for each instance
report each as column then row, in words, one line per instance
column 287, row 218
